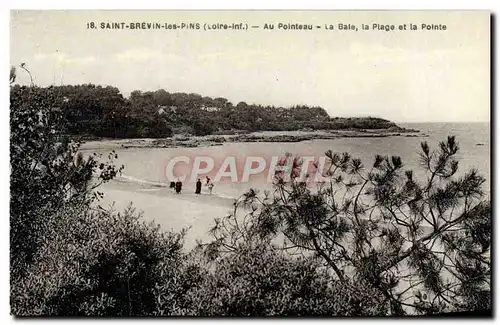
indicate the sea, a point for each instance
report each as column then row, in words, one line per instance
column 148, row 167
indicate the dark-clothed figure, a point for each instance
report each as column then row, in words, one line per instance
column 198, row 187
column 172, row 186
column 178, row 187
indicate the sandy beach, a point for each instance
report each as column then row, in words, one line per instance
column 171, row 211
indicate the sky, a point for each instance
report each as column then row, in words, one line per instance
column 404, row 76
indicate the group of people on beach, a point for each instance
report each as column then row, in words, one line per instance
column 177, row 186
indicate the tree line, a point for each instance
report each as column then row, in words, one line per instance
column 96, row 111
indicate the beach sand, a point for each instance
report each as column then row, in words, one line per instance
column 171, row 211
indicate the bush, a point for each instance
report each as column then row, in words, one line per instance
column 263, row 281
column 68, row 256
column 102, row 263
column 201, row 128
column 47, row 173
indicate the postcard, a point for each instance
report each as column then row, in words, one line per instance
column 250, row 163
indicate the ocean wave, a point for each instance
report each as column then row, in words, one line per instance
column 132, row 179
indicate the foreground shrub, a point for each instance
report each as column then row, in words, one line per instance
column 102, row 263
column 47, row 173
column 263, row 281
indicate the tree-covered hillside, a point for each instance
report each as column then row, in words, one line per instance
column 96, row 111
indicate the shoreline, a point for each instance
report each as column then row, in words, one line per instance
column 171, row 211
column 189, row 141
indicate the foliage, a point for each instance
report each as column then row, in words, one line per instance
column 424, row 245
column 102, row 263
column 96, row 111
column 260, row 280
column 46, row 171
column 68, row 256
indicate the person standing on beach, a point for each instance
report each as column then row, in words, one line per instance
column 209, row 184
column 172, row 186
column 210, row 187
column 198, row 187
column 178, row 187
